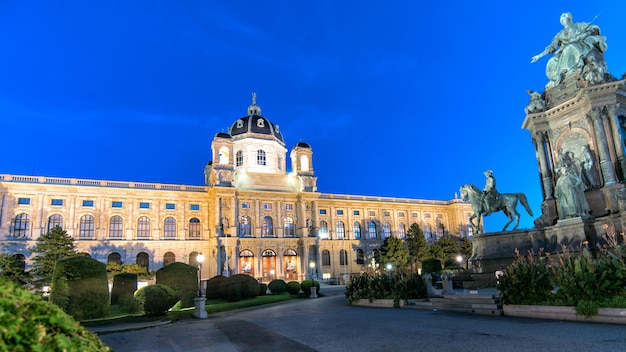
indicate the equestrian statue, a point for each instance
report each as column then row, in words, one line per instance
column 489, row 201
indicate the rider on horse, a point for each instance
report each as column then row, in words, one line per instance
column 490, row 194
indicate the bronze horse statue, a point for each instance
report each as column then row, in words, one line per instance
column 506, row 202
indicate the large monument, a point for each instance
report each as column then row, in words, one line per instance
column 576, row 125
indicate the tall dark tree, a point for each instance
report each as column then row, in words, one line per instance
column 54, row 245
column 394, row 252
column 444, row 248
column 417, row 245
column 12, row 267
column 466, row 248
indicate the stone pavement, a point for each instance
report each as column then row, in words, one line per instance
column 330, row 324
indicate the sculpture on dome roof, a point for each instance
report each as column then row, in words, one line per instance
column 536, row 104
column 574, row 46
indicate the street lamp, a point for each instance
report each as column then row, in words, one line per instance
column 200, row 259
column 459, row 259
column 312, row 265
column 272, row 274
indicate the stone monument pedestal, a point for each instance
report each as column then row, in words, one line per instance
column 200, row 311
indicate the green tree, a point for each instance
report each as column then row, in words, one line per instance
column 12, row 269
column 417, row 245
column 394, row 252
column 444, row 248
column 56, row 244
column 466, row 248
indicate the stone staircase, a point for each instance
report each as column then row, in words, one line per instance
column 466, row 303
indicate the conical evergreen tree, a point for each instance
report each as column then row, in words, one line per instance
column 54, row 245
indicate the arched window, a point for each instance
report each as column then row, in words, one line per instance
column 260, row 157
column 386, row 230
column 143, row 260
column 246, row 262
column 169, row 227
column 371, row 230
column 86, row 227
column 401, row 231
column 325, row 257
column 116, row 226
column 244, row 226
column 343, row 257
column 239, row 158
column 143, row 227
column 341, row 230
column 268, row 227
column 169, row 258
column 21, row 225
column 224, row 155
column 54, row 221
column 304, row 163
column 357, row 230
column 114, row 258
column 323, row 232
column 427, row 233
column 193, row 261
column 288, row 230
column 194, row 228
column 360, row 257
column 470, row 230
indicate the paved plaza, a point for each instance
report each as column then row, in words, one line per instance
column 330, row 324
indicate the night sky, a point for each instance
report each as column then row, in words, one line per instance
column 398, row 99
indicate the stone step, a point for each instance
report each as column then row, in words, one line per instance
column 474, row 304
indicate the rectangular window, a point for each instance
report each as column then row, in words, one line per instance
column 439, row 216
column 426, row 215
column 194, row 207
column 23, row 201
column 372, row 213
column 57, row 202
column 356, row 213
column 400, row 214
column 144, row 205
column 339, row 212
column 288, row 206
column 170, row 206
column 267, row 206
column 245, row 205
column 87, row 203
column 413, row 215
column 323, row 211
column 387, row 213
column 116, row 204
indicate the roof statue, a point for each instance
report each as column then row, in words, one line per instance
column 577, row 47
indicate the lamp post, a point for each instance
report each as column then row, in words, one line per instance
column 272, row 274
column 200, row 260
column 200, row 301
column 312, row 265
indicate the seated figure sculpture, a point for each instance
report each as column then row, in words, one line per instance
column 572, row 46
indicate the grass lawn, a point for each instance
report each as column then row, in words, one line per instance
column 212, row 306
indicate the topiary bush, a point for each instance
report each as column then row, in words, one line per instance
column 238, row 287
column 183, row 279
column 306, row 285
column 28, row 323
column 80, row 287
column 431, row 265
column 293, row 287
column 277, row 286
column 123, row 284
column 213, row 290
column 128, row 304
column 155, row 300
column 230, row 290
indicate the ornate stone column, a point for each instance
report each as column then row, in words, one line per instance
column 546, row 176
column 608, row 172
column 617, row 139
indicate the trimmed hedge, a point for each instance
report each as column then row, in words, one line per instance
column 277, row 286
column 155, row 300
column 263, row 289
column 293, row 287
column 306, row 285
column 238, row 287
column 213, row 290
column 31, row 324
column 123, row 284
column 183, row 279
column 81, row 288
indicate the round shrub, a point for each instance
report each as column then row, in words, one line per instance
column 306, row 285
column 213, row 287
column 277, row 286
column 80, row 287
column 123, row 284
column 183, row 279
column 263, row 289
column 31, row 324
column 128, row 304
column 293, row 287
column 155, row 300
column 247, row 284
column 431, row 265
column 230, row 290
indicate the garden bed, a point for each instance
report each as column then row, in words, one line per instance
column 605, row 315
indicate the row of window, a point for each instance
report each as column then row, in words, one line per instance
column 266, row 206
column 114, row 204
column 372, row 231
column 22, row 224
column 373, row 213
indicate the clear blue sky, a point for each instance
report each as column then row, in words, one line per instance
column 401, row 98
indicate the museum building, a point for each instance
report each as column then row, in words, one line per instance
column 252, row 216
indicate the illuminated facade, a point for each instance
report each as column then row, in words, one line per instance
column 252, row 216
